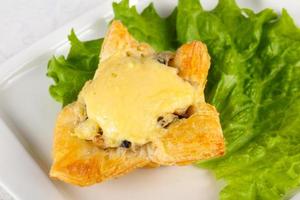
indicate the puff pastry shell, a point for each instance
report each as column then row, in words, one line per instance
column 197, row 137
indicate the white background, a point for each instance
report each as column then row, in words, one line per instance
column 23, row 22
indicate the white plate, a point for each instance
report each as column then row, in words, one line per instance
column 27, row 115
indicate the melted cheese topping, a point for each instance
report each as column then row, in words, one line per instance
column 128, row 95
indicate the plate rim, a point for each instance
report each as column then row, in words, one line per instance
column 8, row 70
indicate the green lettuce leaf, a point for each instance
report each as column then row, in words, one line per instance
column 70, row 74
column 254, row 82
column 222, row 30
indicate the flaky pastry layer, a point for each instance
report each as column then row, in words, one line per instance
column 197, row 137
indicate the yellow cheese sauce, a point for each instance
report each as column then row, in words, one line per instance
column 128, row 94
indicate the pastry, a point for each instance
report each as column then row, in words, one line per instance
column 142, row 109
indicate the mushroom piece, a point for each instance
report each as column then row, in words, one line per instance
column 166, row 120
column 164, row 57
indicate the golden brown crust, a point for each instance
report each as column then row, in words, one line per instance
column 118, row 38
column 82, row 163
column 151, row 165
column 198, row 137
column 193, row 61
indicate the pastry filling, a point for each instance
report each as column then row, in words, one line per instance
column 133, row 100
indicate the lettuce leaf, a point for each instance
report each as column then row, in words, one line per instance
column 232, row 39
column 70, row 74
column 254, row 82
